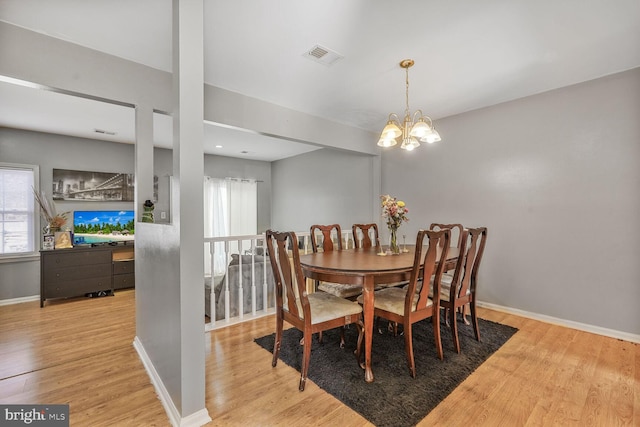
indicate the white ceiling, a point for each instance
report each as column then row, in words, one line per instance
column 469, row 54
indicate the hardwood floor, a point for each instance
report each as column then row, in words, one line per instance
column 80, row 352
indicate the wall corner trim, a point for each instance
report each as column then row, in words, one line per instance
column 196, row 419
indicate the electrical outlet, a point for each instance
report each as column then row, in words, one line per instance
column 163, row 215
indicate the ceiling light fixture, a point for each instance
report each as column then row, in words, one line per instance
column 414, row 130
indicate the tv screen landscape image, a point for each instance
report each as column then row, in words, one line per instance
column 104, row 226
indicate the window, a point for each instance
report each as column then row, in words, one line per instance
column 18, row 217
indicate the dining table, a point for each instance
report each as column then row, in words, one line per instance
column 367, row 267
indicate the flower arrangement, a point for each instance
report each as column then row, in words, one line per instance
column 55, row 221
column 394, row 211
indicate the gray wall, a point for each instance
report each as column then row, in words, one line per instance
column 323, row 187
column 22, row 279
column 49, row 151
column 555, row 178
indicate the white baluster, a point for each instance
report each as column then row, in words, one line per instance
column 227, row 308
column 240, row 284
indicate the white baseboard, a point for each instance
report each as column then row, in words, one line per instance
column 196, row 419
column 562, row 322
column 19, row 300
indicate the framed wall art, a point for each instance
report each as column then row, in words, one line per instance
column 92, row 186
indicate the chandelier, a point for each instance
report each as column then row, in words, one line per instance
column 414, row 129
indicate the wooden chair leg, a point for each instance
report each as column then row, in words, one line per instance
column 276, row 344
column 436, row 333
column 358, row 350
column 408, row 346
column 464, row 315
column 306, row 357
column 376, row 327
column 453, row 321
column 474, row 319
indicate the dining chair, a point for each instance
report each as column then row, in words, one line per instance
column 362, row 235
column 327, row 232
column 362, row 238
column 460, row 289
column 341, row 290
column 308, row 312
column 412, row 304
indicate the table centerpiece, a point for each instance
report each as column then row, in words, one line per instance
column 394, row 212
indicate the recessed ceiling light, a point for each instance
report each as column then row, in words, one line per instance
column 218, row 146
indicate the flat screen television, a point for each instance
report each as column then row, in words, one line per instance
column 108, row 226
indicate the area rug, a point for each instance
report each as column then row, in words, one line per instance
column 394, row 399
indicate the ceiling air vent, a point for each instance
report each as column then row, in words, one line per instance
column 323, row 55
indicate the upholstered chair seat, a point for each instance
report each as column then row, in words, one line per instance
column 340, row 290
column 392, row 300
column 326, row 307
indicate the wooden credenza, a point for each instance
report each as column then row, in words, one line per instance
column 85, row 269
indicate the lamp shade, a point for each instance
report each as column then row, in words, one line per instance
column 420, row 129
column 391, row 130
column 431, row 137
column 389, row 142
column 409, row 143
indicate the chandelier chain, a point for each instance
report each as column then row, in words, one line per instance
column 406, row 111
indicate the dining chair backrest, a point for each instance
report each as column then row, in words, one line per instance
column 327, row 240
column 362, row 235
column 456, row 231
column 472, row 258
column 428, row 261
column 291, row 295
column 461, row 290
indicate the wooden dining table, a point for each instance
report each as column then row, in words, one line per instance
column 368, row 268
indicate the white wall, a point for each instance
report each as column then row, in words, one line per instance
column 556, row 179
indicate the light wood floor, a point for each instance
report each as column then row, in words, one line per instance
column 80, row 352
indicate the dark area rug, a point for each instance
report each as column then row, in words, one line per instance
column 394, row 399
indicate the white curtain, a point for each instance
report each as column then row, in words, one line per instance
column 230, row 209
column 216, row 221
column 243, row 206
